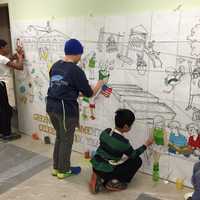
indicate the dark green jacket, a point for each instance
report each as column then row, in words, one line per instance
column 111, row 149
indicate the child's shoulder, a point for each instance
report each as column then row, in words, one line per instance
column 114, row 135
column 106, row 131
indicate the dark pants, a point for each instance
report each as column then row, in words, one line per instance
column 5, row 111
column 64, row 141
column 123, row 172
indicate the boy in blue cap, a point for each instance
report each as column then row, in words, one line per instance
column 67, row 81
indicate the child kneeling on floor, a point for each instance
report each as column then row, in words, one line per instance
column 115, row 161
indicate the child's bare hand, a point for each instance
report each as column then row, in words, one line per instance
column 149, row 141
column 105, row 80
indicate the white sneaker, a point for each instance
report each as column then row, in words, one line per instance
column 187, row 195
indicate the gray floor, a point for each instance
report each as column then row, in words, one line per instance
column 18, row 164
column 23, row 179
column 146, row 197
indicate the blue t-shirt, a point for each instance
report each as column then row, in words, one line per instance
column 66, row 81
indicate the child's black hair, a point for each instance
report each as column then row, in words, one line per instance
column 3, row 43
column 124, row 117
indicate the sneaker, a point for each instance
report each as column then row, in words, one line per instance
column 72, row 171
column 188, row 196
column 115, row 185
column 64, row 175
column 95, row 184
column 12, row 136
column 54, row 172
column 75, row 170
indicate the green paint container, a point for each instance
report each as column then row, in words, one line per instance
column 158, row 135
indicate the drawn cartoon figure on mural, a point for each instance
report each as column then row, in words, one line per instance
column 84, row 62
column 91, row 65
column 196, row 114
column 138, row 50
column 136, row 42
column 194, row 138
column 109, row 40
column 111, row 44
column 141, row 65
column 194, row 40
column 43, row 45
column 173, row 78
column 38, row 29
column 153, row 54
column 177, row 141
column 159, row 133
column 85, row 102
column 88, row 105
column 110, row 64
column 194, row 92
column 44, row 55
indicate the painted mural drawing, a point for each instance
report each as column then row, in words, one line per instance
column 152, row 67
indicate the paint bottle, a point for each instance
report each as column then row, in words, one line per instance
column 156, row 173
column 87, row 154
column 158, row 135
column 179, row 183
column 47, row 140
column 35, row 136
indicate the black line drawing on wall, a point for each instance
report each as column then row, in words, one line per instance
column 193, row 38
column 144, row 104
column 43, row 45
column 109, row 40
column 193, row 131
column 194, row 91
column 178, row 8
column 133, row 58
column 196, row 114
column 153, row 55
column 141, row 65
column 194, row 71
column 137, row 49
column 173, row 78
column 136, row 42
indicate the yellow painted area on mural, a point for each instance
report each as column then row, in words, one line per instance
column 46, row 122
column 49, row 64
column 44, row 55
column 47, row 129
column 42, row 118
column 85, row 130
